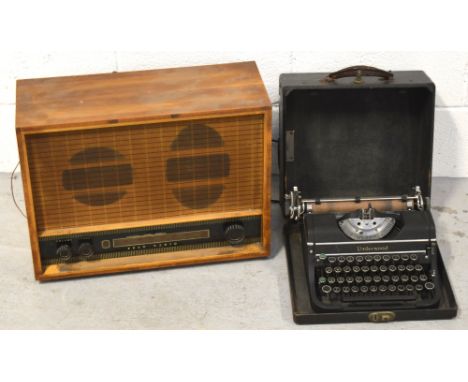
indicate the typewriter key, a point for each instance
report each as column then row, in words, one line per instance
column 349, row 279
column 383, row 268
column 429, row 285
column 364, row 289
column 346, row 289
column 328, row 270
column 414, row 278
column 395, row 278
column 396, row 258
column 414, row 257
column 349, row 259
column 354, row 289
column 409, row 288
column 337, row 270
column 401, row 268
column 391, row 288
column 340, row 280
column 347, row 269
column 367, row 279
column 401, row 288
column 377, row 258
column 404, row 258
column 332, row 259
column 358, row 279
column 418, row 268
column 331, row 280
column 336, row 290
column 326, row 289
column 404, row 278
column 368, row 259
column 377, row 279
column 365, row 269
column 419, row 287
column 341, row 259
column 383, row 288
column 410, row 268
column 373, row 288
column 374, row 268
column 386, row 278
column 423, row 277
column 359, row 259
column 386, row 258
column 392, row 268
column 356, row 269
column 322, row 280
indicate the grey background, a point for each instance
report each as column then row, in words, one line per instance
column 250, row 294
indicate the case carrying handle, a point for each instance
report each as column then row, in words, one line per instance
column 358, row 72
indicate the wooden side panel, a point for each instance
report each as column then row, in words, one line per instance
column 267, row 136
column 29, row 203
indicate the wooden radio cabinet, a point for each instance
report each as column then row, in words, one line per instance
column 147, row 169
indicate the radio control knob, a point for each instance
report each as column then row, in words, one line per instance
column 86, row 249
column 234, row 234
column 64, row 252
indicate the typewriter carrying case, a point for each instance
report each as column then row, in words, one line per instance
column 357, row 133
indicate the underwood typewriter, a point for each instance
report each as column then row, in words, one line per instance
column 369, row 257
column 355, row 161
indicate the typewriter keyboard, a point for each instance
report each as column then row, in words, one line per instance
column 387, row 278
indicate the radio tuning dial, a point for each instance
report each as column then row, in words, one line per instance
column 64, row 252
column 86, row 249
column 234, row 234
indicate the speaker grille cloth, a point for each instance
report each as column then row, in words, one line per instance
column 131, row 173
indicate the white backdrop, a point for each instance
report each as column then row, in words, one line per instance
column 248, row 25
column 449, row 70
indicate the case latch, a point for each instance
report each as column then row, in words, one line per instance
column 289, row 145
column 385, row 316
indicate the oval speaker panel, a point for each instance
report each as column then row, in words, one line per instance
column 95, row 169
column 181, row 169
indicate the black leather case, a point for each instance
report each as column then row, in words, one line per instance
column 368, row 136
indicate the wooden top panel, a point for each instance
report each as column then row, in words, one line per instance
column 105, row 99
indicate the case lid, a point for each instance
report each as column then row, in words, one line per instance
column 343, row 139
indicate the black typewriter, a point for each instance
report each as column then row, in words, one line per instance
column 372, row 259
column 355, row 162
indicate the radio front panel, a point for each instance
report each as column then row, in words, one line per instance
column 102, row 245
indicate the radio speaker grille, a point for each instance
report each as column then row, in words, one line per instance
column 151, row 171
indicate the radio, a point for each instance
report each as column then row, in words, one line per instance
column 149, row 169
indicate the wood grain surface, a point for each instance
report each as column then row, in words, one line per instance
column 106, row 99
column 129, row 150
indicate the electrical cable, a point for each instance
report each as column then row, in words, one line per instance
column 13, row 192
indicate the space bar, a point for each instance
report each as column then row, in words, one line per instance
column 376, row 298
